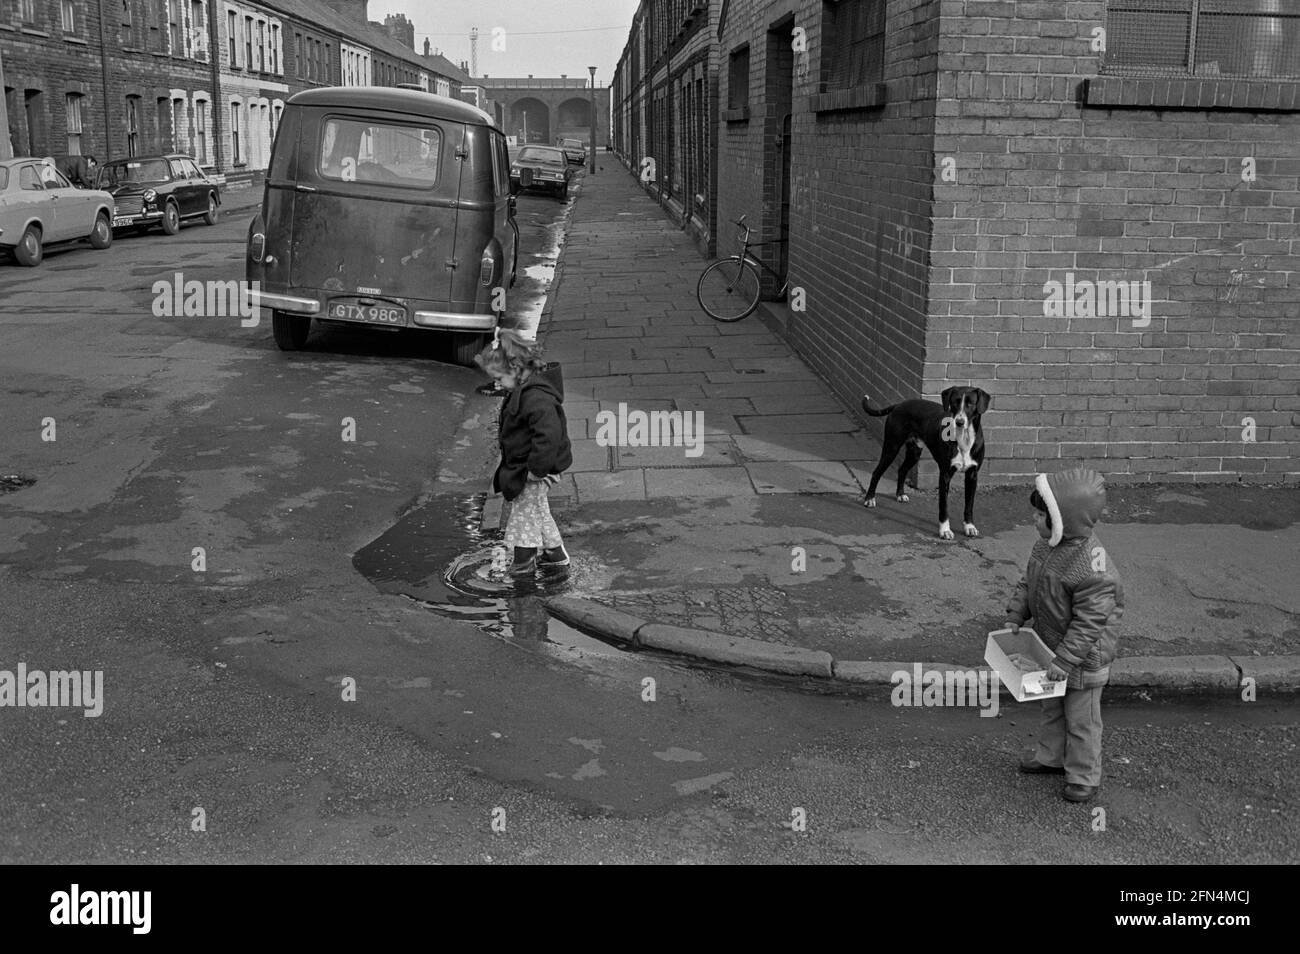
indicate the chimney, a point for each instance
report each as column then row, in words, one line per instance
column 426, row 46
column 400, row 29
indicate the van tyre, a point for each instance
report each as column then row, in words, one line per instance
column 210, row 217
column 101, row 236
column 290, row 331
column 28, row 251
column 171, row 220
column 465, row 347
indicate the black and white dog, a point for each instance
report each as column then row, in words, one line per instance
column 951, row 431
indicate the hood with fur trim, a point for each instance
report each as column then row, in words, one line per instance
column 1075, row 499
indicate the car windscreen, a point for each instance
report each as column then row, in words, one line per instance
column 133, row 173
column 356, row 150
column 533, row 154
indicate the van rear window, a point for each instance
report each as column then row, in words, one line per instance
column 358, row 151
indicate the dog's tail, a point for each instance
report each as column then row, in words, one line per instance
column 875, row 412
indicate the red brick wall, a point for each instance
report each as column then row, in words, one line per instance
column 1047, row 186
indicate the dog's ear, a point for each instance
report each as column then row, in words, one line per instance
column 984, row 400
column 946, row 398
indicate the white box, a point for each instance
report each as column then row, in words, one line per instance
column 1002, row 643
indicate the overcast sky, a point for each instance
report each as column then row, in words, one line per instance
column 542, row 37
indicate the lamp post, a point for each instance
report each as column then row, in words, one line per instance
column 4, row 116
column 592, row 70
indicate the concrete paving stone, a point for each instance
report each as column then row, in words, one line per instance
column 615, row 351
column 670, row 354
column 1270, row 672
column 735, row 650
column 809, row 379
column 733, row 407
column 744, row 329
column 769, row 364
column 868, row 671
column 619, row 485
column 713, row 454
column 752, row 387
column 802, row 477
column 643, row 404
column 594, row 617
column 697, row 364
column 1205, row 672
column 577, row 427
column 630, row 332
column 636, row 366
column 802, row 447
column 583, row 369
column 819, row 402
column 754, row 348
column 576, row 407
column 589, row 387
column 799, row 424
column 699, row 482
column 632, row 393
column 588, row 456
column 668, row 378
column 490, row 519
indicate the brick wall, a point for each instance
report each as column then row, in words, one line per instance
column 1048, row 186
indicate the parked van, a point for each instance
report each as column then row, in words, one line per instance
column 385, row 207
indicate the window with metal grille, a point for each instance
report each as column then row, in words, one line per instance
column 132, row 125
column 853, row 43
column 69, row 16
column 1234, row 38
column 27, row 11
column 738, row 79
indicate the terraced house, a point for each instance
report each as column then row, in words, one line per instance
column 1088, row 209
column 205, row 77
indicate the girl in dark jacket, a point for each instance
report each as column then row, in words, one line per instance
column 534, row 439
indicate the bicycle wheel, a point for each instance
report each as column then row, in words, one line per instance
column 728, row 290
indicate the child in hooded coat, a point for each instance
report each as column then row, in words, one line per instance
column 535, row 449
column 1072, row 591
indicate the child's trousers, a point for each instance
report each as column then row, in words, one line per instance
column 528, row 518
column 1070, row 735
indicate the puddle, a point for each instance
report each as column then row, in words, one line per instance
column 11, row 482
column 436, row 556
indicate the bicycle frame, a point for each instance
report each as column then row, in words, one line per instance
column 745, row 255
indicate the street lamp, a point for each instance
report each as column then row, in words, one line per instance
column 592, row 69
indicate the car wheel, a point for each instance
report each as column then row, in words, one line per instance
column 290, row 331
column 210, row 217
column 465, row 347
column 28, row 251
column 101, row 236
column 171, row 220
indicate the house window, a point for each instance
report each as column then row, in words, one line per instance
column 738, row 79
column 235, row 155
column 275, row 49
column 133, row 125
column 69, row 10
column 27, row 11
column 261, row 45
column 248, row 43
column 1203, row 38
column 198, row 28
column 231, row 38
column 175, row 27
column 126, row 33
column 297, row 39
column 853, row 52
column 74, row 123
column 178, row 125
column 201, row 130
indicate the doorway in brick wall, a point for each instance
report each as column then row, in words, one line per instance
column 778, row 100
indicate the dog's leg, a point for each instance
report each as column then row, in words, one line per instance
column 886, row 458
column 910, row 457
column 968, row 517
column 945, row 480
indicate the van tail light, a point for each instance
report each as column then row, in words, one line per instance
column 487, row 268
column 257, row 246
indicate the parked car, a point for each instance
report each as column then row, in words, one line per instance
column 575, row 150
column 389, row 208
column 39, row 207
column 544, row 168
column 159, row 190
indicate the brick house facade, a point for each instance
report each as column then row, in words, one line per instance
column 948, row 173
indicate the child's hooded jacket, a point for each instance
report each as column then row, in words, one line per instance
column 533, row 433
column 1071, row 586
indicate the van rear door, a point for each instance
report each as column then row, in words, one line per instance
column 376, row 207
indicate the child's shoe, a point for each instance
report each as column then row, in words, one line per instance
column 525, row 565
column 1031, row 766
column 553, row 558
column 1079, row 793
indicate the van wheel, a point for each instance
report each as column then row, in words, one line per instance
column 465, row 347
column 28, row 251
column 210, row 217
column 101, row 236
column 171, row 220
column 290, row 331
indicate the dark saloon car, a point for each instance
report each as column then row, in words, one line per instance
column 159, row 190
column 575, row 150
column 544, row 168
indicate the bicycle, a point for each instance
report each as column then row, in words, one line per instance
column 729, row 289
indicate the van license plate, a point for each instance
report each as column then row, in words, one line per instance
column 370, row 314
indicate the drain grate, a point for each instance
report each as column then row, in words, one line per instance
column 11, row 482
